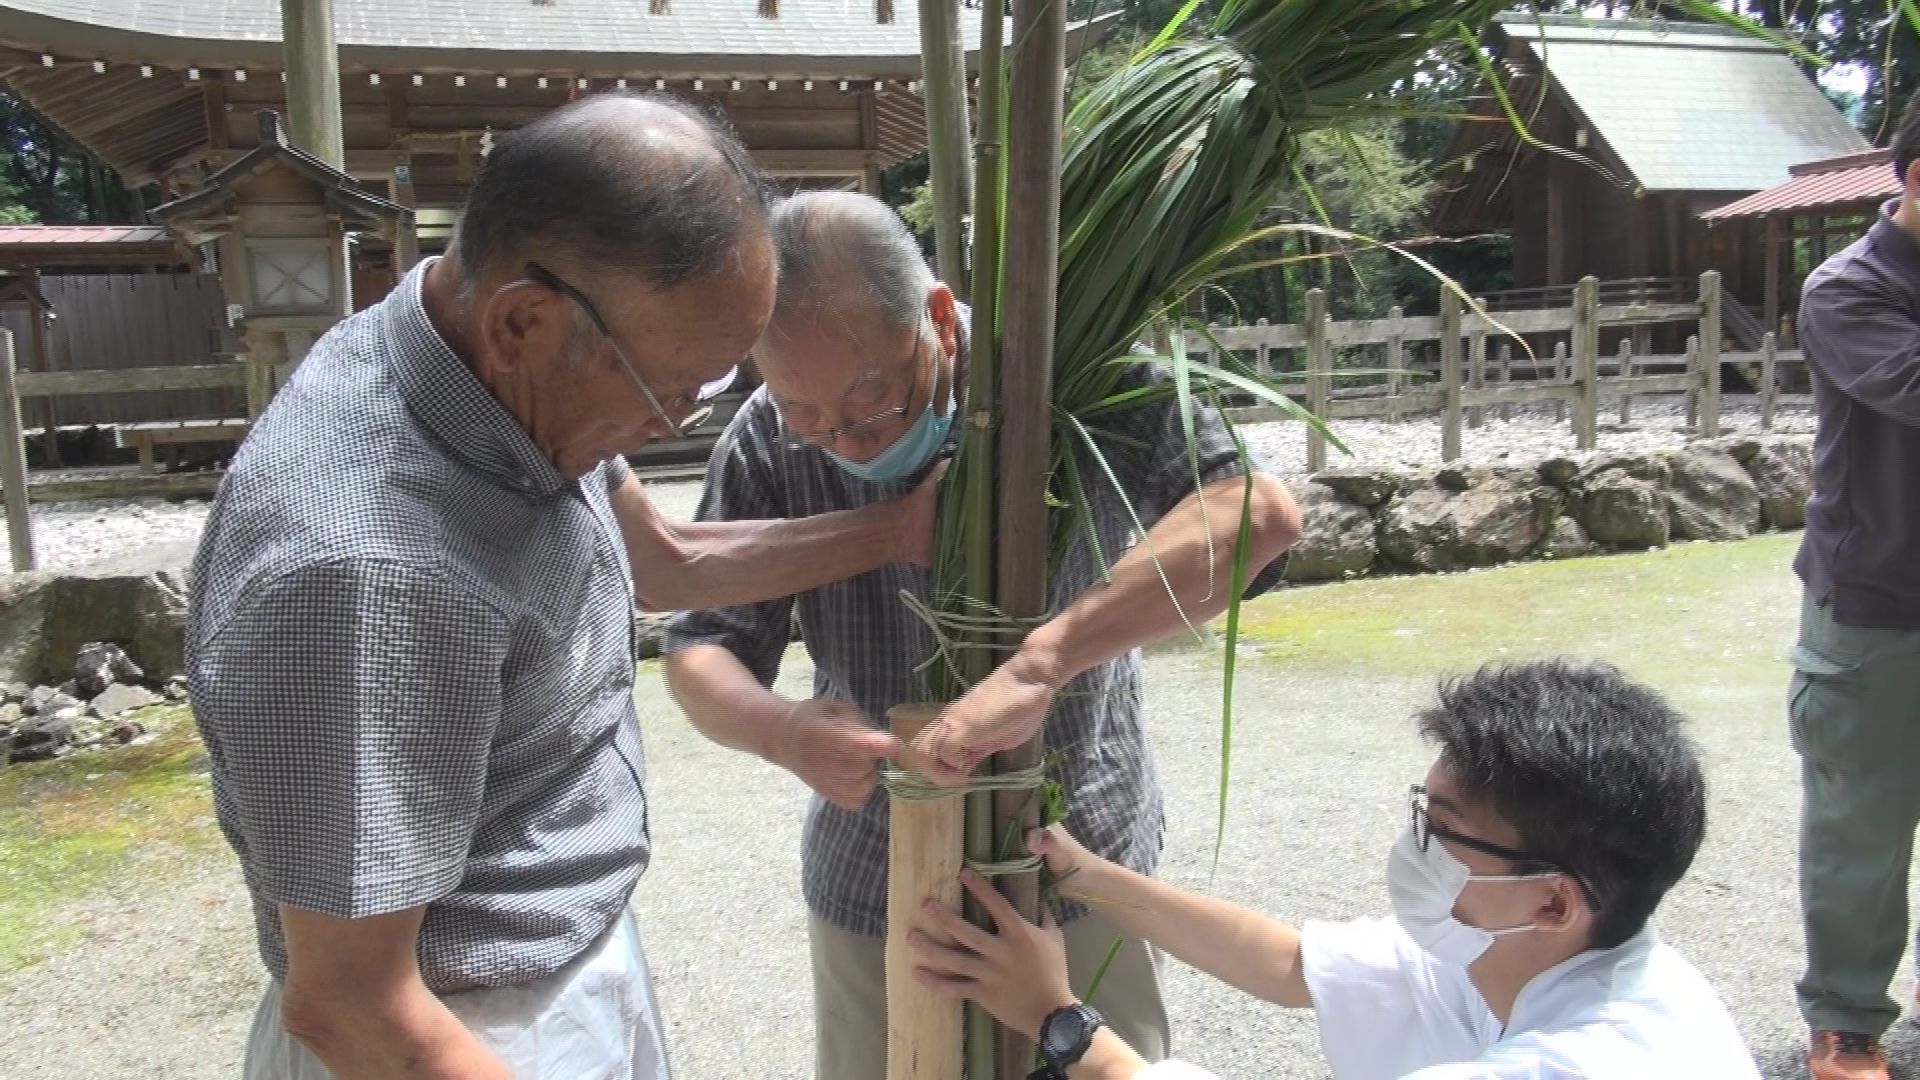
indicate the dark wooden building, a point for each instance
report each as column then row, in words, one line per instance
column 1650, row 125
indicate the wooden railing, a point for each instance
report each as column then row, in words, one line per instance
column 1463, row 386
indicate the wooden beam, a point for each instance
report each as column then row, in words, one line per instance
column 213, row 93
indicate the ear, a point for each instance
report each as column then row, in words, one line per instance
column 1911, row 181
column 946, row 316
column 517, row 321
column 1564, row 907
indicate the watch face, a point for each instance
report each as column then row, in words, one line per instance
column 1067, row 1032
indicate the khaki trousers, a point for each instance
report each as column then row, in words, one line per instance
column 850, row 994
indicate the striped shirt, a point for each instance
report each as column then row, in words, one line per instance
column 410, row 652
column 865, row 643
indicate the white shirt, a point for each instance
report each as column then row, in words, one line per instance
column 1388, row 1011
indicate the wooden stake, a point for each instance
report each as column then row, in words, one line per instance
column 923, row 859
column 13, row 462
column 1586, row 363
column 1319, row 374
column 1710, row 354
column 1449, row 375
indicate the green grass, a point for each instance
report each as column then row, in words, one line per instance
column 69, row 828
column 1665, row 613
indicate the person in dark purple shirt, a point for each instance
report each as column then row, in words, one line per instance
column 1854, row 700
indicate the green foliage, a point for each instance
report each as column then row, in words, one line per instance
column 44, row 177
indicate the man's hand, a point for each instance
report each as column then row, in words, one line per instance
column 829, row 744
column 917, row 509
column 1018, row 975
column 1001, row 712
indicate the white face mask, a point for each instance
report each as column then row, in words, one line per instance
column 1425, row 885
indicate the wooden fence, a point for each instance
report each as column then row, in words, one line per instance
column 1464, row 384
column 107, row 323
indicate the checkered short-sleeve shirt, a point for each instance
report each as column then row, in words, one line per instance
column 411, row 657
column 865, row 644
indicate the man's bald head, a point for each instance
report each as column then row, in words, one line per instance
column 640, row 183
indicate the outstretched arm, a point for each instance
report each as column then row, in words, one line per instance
column 689, row 565
column 1180, row 575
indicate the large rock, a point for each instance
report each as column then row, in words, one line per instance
column 1360, row 486
column 1782, row 472
column 1494, row 520
column 137, row 601
column 1566, row 540
column 1647, row 468
column 121, row 697
column 1337, row 538
column 100, row 664
column 1709, row 496
column 1619, row 510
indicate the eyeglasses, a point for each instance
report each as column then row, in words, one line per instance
column 806, row 423
column 694, row 408
column 1424, row 830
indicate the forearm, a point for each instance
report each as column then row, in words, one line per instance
column 724, row 701
column 1180, row 575
column 1241, row 947
column 408, row 1035
column 1109, row 1058
column 725, row 563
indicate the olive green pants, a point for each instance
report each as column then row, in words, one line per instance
column 850, row 994
column 1854, row 711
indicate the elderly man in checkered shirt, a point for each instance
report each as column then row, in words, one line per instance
column 865, row 365
column 411, row 649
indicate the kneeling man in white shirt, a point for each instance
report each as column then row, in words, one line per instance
column 1564, row 803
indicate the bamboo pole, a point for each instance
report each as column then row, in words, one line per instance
column 1026, row 446
column 313, row 78
column 949, row 167
column 923, row 860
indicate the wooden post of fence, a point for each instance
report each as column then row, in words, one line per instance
column 1625, row 371
column 1396, row 361
column 1693, row 382
column 1506, row 379
column 1449, row 376
column 1769, row 387
column 1586, row 362
column 13, row 461
column 1261, row 361
column 1710, row 354
column 1319, row 374
column 1477, row 367
column 1561, row 374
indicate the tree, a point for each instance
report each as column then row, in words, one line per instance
column 45, row 177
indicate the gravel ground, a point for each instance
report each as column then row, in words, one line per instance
column 72, row 534
column 164, row 984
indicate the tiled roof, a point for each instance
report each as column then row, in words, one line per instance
column 68, row 235
column 1836, row 183
column 1687, row 106
column 516, row 32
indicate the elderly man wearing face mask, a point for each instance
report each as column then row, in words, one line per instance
column 411, row 644
column 865, row 366
column 1563, row 805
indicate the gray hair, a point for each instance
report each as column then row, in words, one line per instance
column 836, row 247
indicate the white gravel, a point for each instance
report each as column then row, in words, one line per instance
column 72, row 534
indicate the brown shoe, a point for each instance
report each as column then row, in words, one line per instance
column 1846, row 1055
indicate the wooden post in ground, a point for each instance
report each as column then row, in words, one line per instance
column 1260, row 358
column 923, row 859
column 1505, row 352
column 1396, row 360
column 13, row 462
column 313, row 78
column 949, row 164
column 1710, row 354
column 1561, row 373
column 1449, row 376
column 1477, row 367
column 40, row 360
column 1693, row 383
column 1586, row 362
column 1037, row 79
column 1769, row 380
column 1319, row 374
column 1624, row 369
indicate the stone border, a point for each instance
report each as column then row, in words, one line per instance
column 1365, row 521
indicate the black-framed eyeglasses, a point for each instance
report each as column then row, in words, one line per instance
column 694, row 408
column 805, row 423
column 1424, row 830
